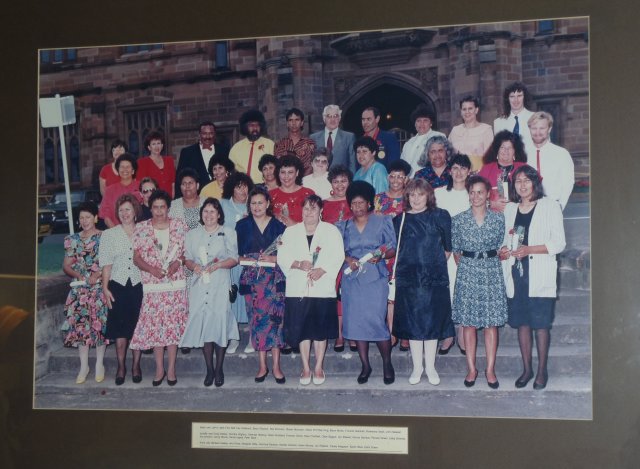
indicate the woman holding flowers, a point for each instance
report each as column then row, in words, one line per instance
column 310, row 257
column 85, row 308
column 263, row 286
column 368, row 239
column 534, row 235
column 159, row 249
column 210, row 251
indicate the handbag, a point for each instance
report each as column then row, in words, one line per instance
column 233, row 293
column 392, row 281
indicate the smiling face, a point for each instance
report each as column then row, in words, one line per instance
column 540, row 130
column 258, row 205
column 369, row 121
column 126, row 213
column 459, row 175
column 523, row 186
column 359, row 207
column 210, row 216
column 469, row 112
column 87, row 220
column 418, row 200
column 155, row 147
column 219, row 173
column 125, row 170
column 437, row 155
column 478, row 195
column 311, row 214
column 397, row 181
column 320, row 164
column 506, row 154
column 207, row 135
column 117, row 151
column 365, row 157
column 189, row 187
column 288, row 175
column 423, row 125
column 516, row 101
column 339, row 185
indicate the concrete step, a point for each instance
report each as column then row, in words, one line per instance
column 566, row 397
column 565, row 359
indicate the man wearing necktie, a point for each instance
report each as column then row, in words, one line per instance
column 197, row 156
column 247, row 152
column 516, row 115
column 338, row 142
column 554, row 163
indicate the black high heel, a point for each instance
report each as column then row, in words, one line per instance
column 120, row 379
column 219, row 381
column 471, row 383
column 444, row 351
column 364, row 377
column 208, row 380
column 492, row 385
column 538, row 386
column 389, row 379
column 159, row 382
column 523, row 380
column 260, row 379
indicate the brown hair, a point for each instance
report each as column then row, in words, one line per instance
column 420, row 185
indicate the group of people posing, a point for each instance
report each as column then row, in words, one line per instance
column 330, row 237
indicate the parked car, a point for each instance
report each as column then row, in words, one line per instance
column 46, row 221
column 58, row 204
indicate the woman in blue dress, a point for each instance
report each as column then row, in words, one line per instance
column 479, row 300
column 365, row 289
column 234, row 205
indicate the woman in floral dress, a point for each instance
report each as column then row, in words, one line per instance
column 159, row 250
column 263, row 287
column 85, row 307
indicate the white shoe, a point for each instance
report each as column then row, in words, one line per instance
column 415, row 376
column 318, row 381
column 233, row 346
column 432, row 376
column 82, row 376
column 306, row 381
column 249, row 348
column 99, row 373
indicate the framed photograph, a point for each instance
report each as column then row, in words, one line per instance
column 466, row 40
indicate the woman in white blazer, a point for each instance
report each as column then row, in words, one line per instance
column 310, row 257
column 534, row 235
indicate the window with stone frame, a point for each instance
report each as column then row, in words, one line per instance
column 52, row 151
column 137, row 125
column 141, row 48
column 58, row 56
column 222, row 55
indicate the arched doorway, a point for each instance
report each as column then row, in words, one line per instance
column 395, row 103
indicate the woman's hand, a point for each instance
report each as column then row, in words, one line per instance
column 522, row 251
column 315, row 274
column 456, row 257
column 305, row 265
column 504, row 253
column 157, row 272
column 264, row 258
column 108, row 296
column 94, row 277
column 352, row 262
column 173, row 267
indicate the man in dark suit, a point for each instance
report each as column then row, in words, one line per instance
column 387, row 142
column 197, row 156
column 338, row 142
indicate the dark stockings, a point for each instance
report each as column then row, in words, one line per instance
column 121, row 354
column 384, row 347
column 207, row 351
column 220, row 351
column 525, row 339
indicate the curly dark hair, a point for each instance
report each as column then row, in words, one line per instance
column 267, row 159
column 461, row 160
column 367, row 142
column 512, row 88
column 288, row 161
column 137, row 208
column 153, row 135
column 160, row 194
column 88, row 207
column 475, row 179
column 187, row 173
column 504, row 135
column 127, row 157
column 340, row 170
column 215, row 203
column 235, row 180
column 222, row 161
column 361, row 189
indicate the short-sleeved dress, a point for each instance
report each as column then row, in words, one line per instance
column 263, row 288
column 364, row 293
column 479, row 299
column 210, row 316
column 164, row 303
column 422, row 306
column 85, row 308
column 334, row 211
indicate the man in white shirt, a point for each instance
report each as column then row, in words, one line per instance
column 554, row 163
column 338, row 142
column 515, row 114
column 422, row 118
